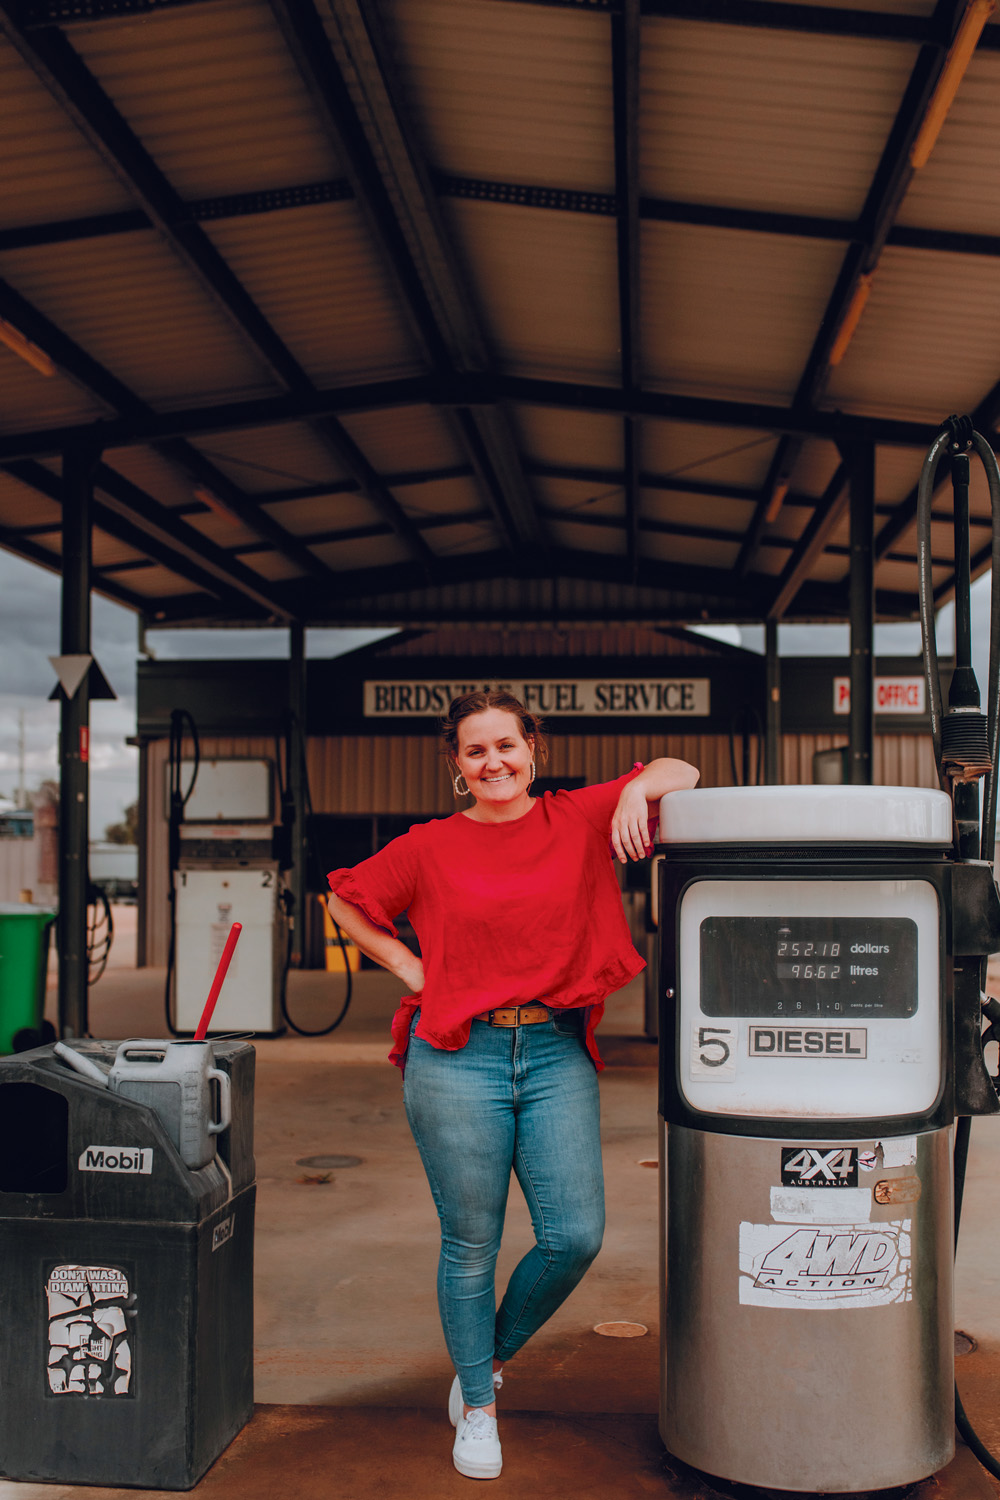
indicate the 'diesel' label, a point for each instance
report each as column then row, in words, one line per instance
column 804, row 1042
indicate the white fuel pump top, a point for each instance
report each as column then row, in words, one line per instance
column 807, row 815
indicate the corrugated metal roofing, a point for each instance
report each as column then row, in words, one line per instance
column 273, row 458
column 28, row 399
column 723, row 337
column 932, row 323
column 213, row 95
column 512, row 92
column 123, row 297
column 400, row 305
column 723, row 455
column 406, row 438
column 547, row 284
column 958, row 188
column 47, row 171
column 790, row 127
column 569, row 437
column 313, row 276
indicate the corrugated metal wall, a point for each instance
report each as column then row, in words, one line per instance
column 406, row 774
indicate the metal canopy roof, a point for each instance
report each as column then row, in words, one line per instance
column 413, row 310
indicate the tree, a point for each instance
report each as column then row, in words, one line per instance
column 127, row 831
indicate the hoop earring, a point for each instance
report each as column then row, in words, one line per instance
column 533, row 773
column 460, row 791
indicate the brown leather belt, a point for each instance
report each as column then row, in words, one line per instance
column 515, row 1015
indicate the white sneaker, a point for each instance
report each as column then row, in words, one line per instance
column 476, row 1453
column 455, row 1402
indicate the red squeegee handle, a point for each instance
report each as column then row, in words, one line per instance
column 220, row 974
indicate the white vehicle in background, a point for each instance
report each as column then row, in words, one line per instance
column 115, row 869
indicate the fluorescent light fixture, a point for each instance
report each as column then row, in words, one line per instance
column 29, row 352
column 970, row 28
column 852, row 317
column 207, row 497
column 777, row 501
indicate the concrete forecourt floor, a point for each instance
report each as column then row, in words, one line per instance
column 351, row 1373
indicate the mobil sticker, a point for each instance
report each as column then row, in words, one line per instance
column 825, row 1265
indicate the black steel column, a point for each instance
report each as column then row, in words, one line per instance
column 862, row 612
column 297, row 784
column 74, row 743
column 772, row 737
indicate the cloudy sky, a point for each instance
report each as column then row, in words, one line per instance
column 29, row 619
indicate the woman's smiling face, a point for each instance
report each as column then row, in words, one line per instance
column 494, row 757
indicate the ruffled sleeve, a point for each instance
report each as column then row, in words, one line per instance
column 383, row 886
column 597, row 803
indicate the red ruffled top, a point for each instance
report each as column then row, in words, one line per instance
column 505, row 913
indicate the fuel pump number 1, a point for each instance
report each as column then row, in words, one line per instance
column 713, row 1053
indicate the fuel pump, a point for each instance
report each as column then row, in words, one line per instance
column 822, row 950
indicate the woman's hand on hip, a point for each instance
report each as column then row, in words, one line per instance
column 411, row 972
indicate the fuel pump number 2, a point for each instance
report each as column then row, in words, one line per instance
column 713, row 1053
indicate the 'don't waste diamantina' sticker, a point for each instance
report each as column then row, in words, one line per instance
column 89, row 1353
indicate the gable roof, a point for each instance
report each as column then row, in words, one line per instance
column 479, row 310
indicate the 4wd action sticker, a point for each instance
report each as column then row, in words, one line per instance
column 825, row 1265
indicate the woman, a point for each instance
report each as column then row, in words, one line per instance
column 522, row 937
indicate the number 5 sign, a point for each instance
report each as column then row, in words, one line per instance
column 713, row 1053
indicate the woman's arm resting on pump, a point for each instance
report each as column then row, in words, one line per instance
column 629, row 830
column 378, row 944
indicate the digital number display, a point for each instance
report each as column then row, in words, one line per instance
column 798, row 967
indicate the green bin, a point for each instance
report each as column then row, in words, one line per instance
column 24, row 957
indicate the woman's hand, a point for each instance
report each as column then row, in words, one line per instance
column 387, row 951
column 630, row 825
column 411, row 973
column 640, row 800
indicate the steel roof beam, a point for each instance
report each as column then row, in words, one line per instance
column 889, row 184
column 134, row 517
column 625, row 42
column 483, row 190
column 715, row 584
column 11, row 540
column 394, row 194
column 826, row 517
column 121, row 525
column 465, row 390
column 653, row 524
column 99, row 382
column 74, row 87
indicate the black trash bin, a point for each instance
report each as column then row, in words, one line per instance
column 126, row 1299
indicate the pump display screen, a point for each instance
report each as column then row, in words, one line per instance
column 809, row 966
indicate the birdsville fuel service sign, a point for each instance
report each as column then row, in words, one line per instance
column 584, row 698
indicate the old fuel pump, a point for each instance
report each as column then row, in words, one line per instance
column 822, row 955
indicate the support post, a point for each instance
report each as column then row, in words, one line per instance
column 861, row 459
column 74, row 743
column 297, row 784
column 772, row 736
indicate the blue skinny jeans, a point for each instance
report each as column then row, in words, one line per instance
column 525, row 1098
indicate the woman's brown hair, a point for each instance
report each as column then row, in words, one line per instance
column 478, row 703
